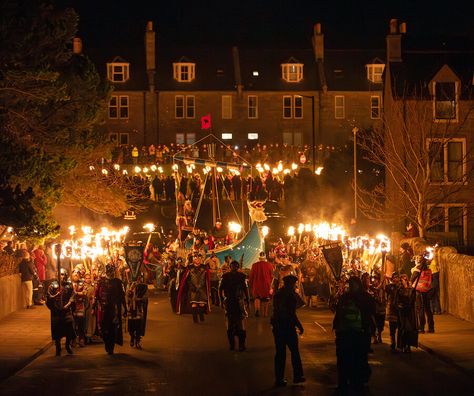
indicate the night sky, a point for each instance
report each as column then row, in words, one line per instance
column 286, row 23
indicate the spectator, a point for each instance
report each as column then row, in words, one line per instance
column 8, row 249
column 27, row 272
column 135, row 155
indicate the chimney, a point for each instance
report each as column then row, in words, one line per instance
column 77, row 45
column 150, row 55
column 403, row 28
column 318, row 42
column 237, row 73
column 394, row 42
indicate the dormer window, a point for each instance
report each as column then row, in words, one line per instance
column 184, row 71
column 375, row 72
column 445, row 101
column 118, row 72
column 292, row 72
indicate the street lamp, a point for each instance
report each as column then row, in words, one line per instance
column 354, row 131
column 313, row 131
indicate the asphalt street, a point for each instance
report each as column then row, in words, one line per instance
column 183, row 358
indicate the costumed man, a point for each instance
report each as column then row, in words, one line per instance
column 109, row 299
column 213, row 264
column 175, row 273
column 81, row 302
column 137, row 303
column 260, row 279
column 194, row 291
column 60, row 300
column 234, row 296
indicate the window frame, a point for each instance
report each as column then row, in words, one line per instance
column 336, row 107
column 446, row 207
column 456, row 103
column 290, row 107
column 119, row 106
column 124, row 134
column 250, row 107
column 226, row 108
column 378, row 107
column 286, row 72
column 178, row 71
column 445, row 160
column 371, row 74
column 189, row 107
column 226, row 136
column 182, row 107
column 125, row 71
column 300, row 107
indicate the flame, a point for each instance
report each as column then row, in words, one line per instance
column 117, row 167
column 291, row 231
column 234, row 227
column 150, row 227
column 265, row 231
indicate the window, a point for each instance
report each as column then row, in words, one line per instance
column 445, row 98
column 375, row 107
column 184, row 106
column 375, row 72
column 124, row 138
column 449, row 218
column 298, row 106
column 287, row 108
column 226, row 107
column 190, row 106
column 292, row 137
column 226, row 136
column 252, row 106
column 118, row 72
column 447, row 160
column 184, row 71
column 293, row 106
column 292, row 72
column 339, row 111
column 185, row 138
column 252, row 136
column 118, row 107
column 255, row 73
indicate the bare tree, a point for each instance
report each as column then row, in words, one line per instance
column 414, row 151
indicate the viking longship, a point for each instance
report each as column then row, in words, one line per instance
column 249, row 213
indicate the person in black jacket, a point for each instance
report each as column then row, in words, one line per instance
column 284, row 323
column 354, row 312
column 234, row 297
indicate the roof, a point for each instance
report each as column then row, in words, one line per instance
column 345, row 70
column 412, row 76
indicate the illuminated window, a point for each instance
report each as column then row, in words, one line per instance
column 118, row 72
column 375, row 72
column 292, row 72
column 445, row 101
column 184, row 71
column 375, row 108
column 184, row 106
column 255, row 73
column 339, row 107
column 226, row 136
column 118, row 107
column 226, row 107
column 252, row 106
column 252, row 136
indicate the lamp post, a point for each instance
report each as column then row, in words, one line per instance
column 355, row 130
column 313, row 131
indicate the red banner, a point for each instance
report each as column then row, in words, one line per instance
column 206, row 122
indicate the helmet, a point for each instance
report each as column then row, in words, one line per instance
column 53, row 287
column 63, row 273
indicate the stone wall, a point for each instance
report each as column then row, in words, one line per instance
column 10, row 294
column 456, row 279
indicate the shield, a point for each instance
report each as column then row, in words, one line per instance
column 333, row 255
column 134, row 258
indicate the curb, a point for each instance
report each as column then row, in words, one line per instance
column 14, row 370
column 444, row 358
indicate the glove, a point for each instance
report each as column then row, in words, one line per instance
column 301, row 330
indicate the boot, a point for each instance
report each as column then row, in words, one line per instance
column 68, row 346
column 231, row 338
column 242, row 337
column 58, row 347
column 132, row 341
column 201, row 314
column 195, row 315
column 138, row 343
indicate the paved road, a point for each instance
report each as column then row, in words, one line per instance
column 182, row 358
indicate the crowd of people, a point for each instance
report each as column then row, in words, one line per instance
column 252, row 154
column 91, row 302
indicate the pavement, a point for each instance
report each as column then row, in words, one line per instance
column 182, row 358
